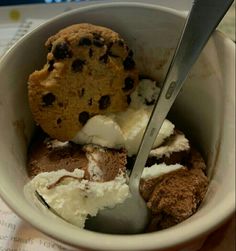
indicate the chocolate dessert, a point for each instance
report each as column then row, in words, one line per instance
column 94, row 111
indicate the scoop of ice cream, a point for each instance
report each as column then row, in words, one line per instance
column 175, row 196
column 46, row 155
column 126, row 129
column 76, row 181
column 73, row 197
column 103, row 172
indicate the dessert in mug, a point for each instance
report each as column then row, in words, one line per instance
column 92, row 107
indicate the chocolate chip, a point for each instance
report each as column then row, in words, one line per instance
column 129, row 63
column 62, row 51
column 48, row 99
column 128, row 99
column 83, row 117
column 112, row 55
column 90, row 102
column 129, row 84
column 59, row 121
column 109, row 45
column 81, row 92
column 120, row 42
column 50, row 63
column 96, row 35
column 85, row 41
column 77, row 65
column 60, row 104
column 98, row 42
column 104, row 102
column 90, row 52
column 104, row 58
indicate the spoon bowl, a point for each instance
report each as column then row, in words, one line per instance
column 123, row 221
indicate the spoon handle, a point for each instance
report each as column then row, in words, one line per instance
column 201, row 22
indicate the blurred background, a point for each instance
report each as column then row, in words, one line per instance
column 15, row 11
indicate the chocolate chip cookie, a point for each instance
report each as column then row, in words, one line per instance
column 90, row 70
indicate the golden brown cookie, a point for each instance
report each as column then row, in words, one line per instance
column 89, row 70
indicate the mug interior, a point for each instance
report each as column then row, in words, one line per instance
column 204, row 110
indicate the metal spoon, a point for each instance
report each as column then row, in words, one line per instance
column 131, row 217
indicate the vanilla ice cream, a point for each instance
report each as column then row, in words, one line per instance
column 176, row 143
column 73, row 197
column 158, row 170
